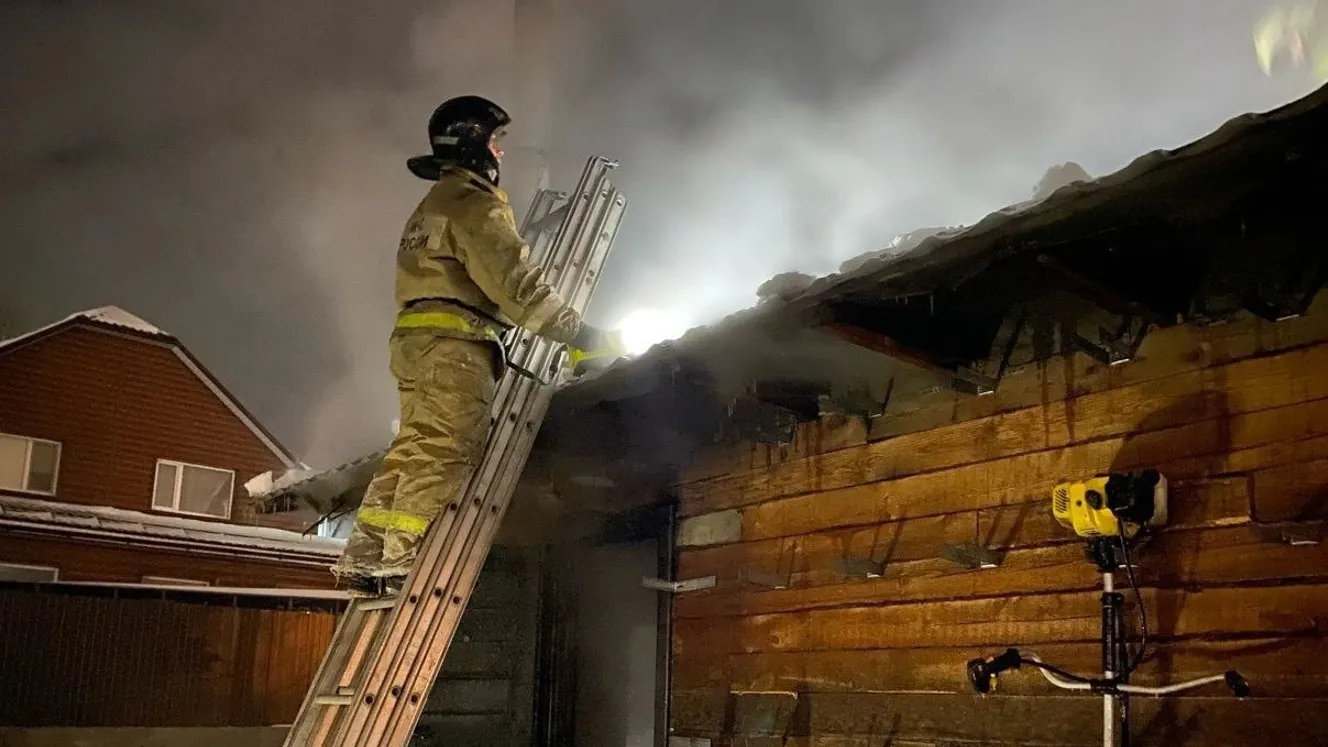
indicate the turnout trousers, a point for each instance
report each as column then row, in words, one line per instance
column 446, row 387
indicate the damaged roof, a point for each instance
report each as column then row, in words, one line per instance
column 948, row 257
column 155, row 530
column 1171, row 199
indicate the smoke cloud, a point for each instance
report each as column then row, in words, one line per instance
column 233, row 171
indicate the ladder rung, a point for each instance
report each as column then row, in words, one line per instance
column 334, row 700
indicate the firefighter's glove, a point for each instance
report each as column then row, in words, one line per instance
column 594, row 349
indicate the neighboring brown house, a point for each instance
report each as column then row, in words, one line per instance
column 122, row 459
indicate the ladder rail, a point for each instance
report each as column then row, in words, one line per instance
column 385, row 654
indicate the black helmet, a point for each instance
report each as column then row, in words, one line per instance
column 459, row 132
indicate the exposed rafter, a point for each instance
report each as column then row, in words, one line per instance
column 1098, row 293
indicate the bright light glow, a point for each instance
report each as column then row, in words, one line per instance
column 645, row 327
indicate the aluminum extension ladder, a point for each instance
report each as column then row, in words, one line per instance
column 376, row 676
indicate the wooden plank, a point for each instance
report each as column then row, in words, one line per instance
column 521, row 694
column 472, row 730
column 807, row 554
column 875, row 719
column 468, row 696
column 479, row 659
column 1182, row 558
column 830, row 433
column 811, row 559
column 1245, row 461
column 496, row 589
column 1031, row 477
column 1293, row 492
column 1275, row 667
column 1002, row 621
column 1163, row 353
column 714, row 528
column 488, row 625
column 266, row 654
column 711, row 740
column 1247, row 386
column 304, row 639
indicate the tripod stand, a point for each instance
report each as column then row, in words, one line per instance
column 1109, row 554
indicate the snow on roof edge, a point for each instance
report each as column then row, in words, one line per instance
column 264, row 492
column 106, row 518
column 111, row 316
column 118, row 317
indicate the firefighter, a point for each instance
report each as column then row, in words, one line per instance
column 464, row 277
column 1293, row 35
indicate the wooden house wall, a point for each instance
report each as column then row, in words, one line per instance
column 1236, row 416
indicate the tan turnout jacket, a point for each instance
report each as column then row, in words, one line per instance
column 461, row 253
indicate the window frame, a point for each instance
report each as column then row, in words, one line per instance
column 27, row 464
column 55, row 571
column 179, row 482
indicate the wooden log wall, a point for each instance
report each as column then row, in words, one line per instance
column 1236, row 416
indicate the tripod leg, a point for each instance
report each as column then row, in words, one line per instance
column 1114, row 706
column 1122, row 669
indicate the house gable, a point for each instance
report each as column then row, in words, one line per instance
column 119, row 395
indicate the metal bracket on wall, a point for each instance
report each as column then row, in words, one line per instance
column 768, row 579
column 860, row 567
column 678, row 587
column 770, row 411
column 1289, row 294
column 689, row 742
column 1294, row 533
column 762, row 422
column 970, row 555
column 763, row 713
column 1114, row 348
column 855, row 401
column 977, row 379
column 970, row 381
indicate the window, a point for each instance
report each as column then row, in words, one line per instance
column 191, row 489
column 28, row 464
column 171, row 581
column 28, row 573
column 337, row 528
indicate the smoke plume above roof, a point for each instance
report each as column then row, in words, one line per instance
column 233, row 172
